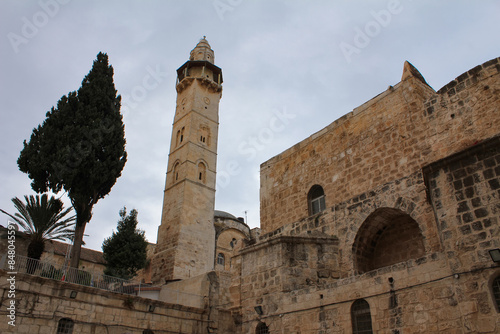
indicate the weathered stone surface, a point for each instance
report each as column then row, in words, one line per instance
column 411, row 184
column 41, row 303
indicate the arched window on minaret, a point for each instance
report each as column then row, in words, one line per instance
column 202, row 172
column 175, row 173
column 204, row 135
column 181, row 135
column 178, row 138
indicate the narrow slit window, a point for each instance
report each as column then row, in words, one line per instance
column 176, row 172
column 202, row 172
column 181, row 135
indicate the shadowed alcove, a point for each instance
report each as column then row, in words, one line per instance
column 387, row 236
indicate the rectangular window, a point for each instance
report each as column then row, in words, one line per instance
column 318, row 205
column 220, row 259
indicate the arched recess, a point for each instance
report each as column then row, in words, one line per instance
column 175, row 171
column 204, row 135
column 386, row 237
column 202, row 172
column 180, row 136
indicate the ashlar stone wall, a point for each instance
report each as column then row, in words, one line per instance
column 412, row 195
column 41, row 303
column 389, row 137
column 465, row 192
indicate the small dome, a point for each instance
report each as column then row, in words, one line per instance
column 203, row 43
column 224, row 214
column 202, row 51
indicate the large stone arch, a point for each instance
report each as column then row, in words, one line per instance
column 386, row 237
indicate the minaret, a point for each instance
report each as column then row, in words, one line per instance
column 186, row 236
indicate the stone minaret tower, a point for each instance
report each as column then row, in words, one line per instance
column 186, row 237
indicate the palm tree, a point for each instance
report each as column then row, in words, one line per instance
column 42, row 219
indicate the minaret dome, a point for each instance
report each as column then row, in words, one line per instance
column 202, row 51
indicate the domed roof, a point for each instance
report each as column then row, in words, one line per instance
column 202, row 51
column 224, row 214
column 203, row 43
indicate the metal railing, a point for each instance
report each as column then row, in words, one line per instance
column 26, row 265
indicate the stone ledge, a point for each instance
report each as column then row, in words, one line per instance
column 291, row 239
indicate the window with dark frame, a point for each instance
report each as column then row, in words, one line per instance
column 65, row 326
column 262, row 328
column 496, row 292
column 221, row 259
column 361, row 317
column 316, row 198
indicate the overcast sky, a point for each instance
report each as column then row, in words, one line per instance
column 290, row 68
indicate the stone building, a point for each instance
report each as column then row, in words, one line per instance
column 382, row 221
column 385, row 221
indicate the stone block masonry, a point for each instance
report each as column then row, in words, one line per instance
column 42, row 303
column 393, row 135
column 411, row 191
column 465, row 191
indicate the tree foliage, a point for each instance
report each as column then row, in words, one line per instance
column 80, row 147
column 125, row 250
column 42, row 219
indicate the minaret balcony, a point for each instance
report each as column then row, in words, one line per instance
column 199, row 69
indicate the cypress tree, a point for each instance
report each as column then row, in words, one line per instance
column 80, row 147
